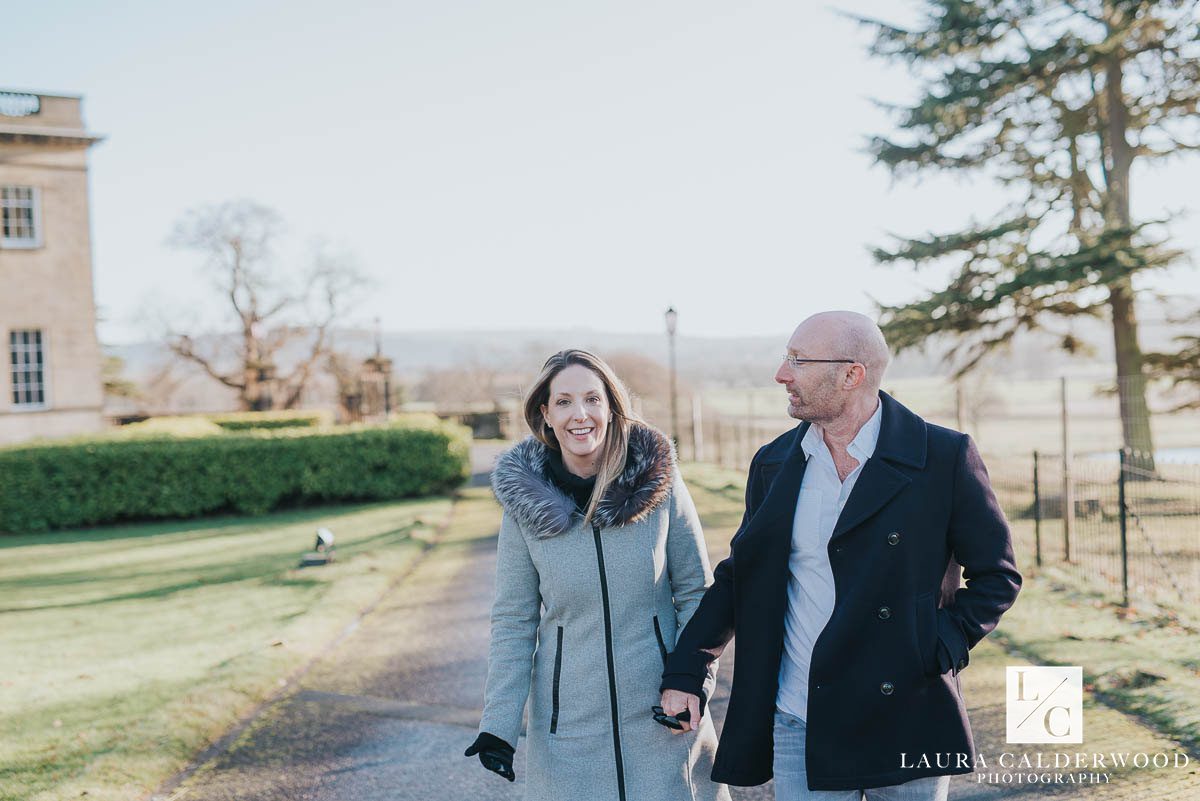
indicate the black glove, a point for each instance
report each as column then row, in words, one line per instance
column 494, row 754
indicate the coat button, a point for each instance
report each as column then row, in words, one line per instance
column 894, row 538
column 884, row 613
column 887, row 688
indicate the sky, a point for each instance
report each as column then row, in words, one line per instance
column 516, row 165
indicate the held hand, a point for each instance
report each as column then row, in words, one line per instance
column 673, row 702
column 494, row 754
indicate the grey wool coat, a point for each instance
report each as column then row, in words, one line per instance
column 583, row 620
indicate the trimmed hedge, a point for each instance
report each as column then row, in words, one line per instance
column 87, row 483
column 249, row 421
column 190, row 426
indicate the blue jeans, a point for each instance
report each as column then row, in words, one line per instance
column 791, row 777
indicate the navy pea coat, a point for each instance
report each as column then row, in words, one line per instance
column 922, row 506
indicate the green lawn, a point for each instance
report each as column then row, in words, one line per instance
column 128, row 649
column 1146, row 663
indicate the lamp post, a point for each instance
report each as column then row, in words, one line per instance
column 672, row 317
column 386, row 369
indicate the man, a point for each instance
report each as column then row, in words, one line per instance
column 842, row 589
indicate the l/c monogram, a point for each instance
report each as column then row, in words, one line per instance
column 1056, row 721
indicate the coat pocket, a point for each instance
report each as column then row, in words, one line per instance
column 662, row 646
column 925, row 615
column 557, row 678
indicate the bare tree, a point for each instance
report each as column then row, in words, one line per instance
column 466, row 384
column 238, row 241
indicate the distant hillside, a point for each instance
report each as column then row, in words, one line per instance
column 702, row 361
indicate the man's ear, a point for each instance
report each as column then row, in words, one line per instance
column 855, row 376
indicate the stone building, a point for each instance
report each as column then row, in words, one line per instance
column 50, row 384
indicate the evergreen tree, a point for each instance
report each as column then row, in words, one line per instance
column 1056, row 99
column 1182, row 368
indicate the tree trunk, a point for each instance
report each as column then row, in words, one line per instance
column 250, row 388
column 257, row 373
column 249, row 394
column 1131, row 381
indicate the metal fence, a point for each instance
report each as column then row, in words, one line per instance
column 1126, row 532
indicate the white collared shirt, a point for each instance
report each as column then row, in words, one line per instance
column 810, row 586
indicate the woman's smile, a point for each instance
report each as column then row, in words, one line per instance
column 578, row 411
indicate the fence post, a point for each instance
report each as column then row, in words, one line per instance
column 1068, row 492
column 697, row 430
column 1037, row 513
column 1121, row 502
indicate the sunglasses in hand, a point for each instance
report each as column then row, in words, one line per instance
column 671, row 721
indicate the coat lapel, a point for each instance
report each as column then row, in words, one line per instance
column 781, row 496
column 877, row 484
column 901, row 441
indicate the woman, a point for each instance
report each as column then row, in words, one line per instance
column 600, row 563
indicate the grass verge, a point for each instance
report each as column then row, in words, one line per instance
column 1147, row 665
column 128, row 649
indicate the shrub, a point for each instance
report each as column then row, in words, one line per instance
column 103, row 481
column 416, row 419
column 247, row 421
column 192, row 426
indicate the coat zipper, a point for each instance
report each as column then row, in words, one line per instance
column 662, row 645
column 612, row 670
column 557, row 676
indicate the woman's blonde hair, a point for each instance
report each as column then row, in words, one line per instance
column 616, row 441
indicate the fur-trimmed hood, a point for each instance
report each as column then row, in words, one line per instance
column 521, row 483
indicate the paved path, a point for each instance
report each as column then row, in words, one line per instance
column 388, row 713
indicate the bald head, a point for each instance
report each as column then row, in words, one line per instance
column 846, row 335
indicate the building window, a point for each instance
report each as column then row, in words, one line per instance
column 20, row 221
column 28, row 368
column 19, row 104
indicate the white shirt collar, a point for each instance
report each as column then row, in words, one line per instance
column 862, row 447
column 813, row 440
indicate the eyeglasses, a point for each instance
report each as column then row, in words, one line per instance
column 796, row 361
column 671, row 721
